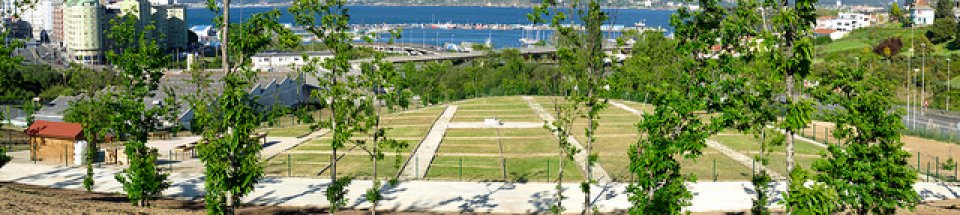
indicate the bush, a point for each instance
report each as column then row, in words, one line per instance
column 822, row 40
column 942, row 31
column 889, row 47
column 950, row 164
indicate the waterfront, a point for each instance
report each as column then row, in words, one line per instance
column 427, row 15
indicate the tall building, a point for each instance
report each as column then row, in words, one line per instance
column 85, row 23
column 40, row 18
column 82, row 34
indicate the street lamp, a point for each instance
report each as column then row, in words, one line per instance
column 915, row 101
column 948, row 85
column 923, row 79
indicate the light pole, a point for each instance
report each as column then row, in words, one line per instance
column 948, row 85
column 913, row 122
column 923, row 79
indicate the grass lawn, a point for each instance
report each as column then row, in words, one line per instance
column 288, row 131
column 805, row 153
column 308, row 158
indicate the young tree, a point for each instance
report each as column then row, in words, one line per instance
column 230, row 155
column 4, row 158
column 139, row 59
column 561, row 129
column 342, row 90
column 895, row 13
column 387, row 91
column 794, row 44
column 888, row 48
column 92, row 112
column 868, row 171
column 581, row 58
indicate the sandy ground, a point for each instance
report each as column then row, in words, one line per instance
column 29, row 199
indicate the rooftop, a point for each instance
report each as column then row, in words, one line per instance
column 59, row 130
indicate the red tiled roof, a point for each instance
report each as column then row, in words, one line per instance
column 823, row 31
column 60, row 130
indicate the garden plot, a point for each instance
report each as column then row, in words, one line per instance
column 805, row 153
column 923, row 151
column 618, row 130
column 485, row 154
column 309, row 158
column 506, row 109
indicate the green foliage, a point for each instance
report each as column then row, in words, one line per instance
column 560, row 127
column 942, row 30
column 943, row 10
column 141, row 180
column 138, row 59
column 343, row 91
column 816, row 198
column 761, row 183
column 949, row 164
column 581, row 62
column 230, row 155
column 895, row 13
column 92, row 112
column 869, row 170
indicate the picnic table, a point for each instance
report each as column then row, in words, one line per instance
column 159, row 135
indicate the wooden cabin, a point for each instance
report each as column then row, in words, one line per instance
column 56, row 142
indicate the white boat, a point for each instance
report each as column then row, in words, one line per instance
column 640, row 24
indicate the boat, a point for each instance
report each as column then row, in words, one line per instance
column 640, row 24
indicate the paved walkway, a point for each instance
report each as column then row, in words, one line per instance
column 597, row 171
column 733, row 154
column 626, row 108
column 427, row 196
column 502, row 125
column 418, row 163
column 277, row 145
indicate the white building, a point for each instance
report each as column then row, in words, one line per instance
column 82, row 31
column 846, row 21
column 40, row 17
column 274, row 61
column 921, row 13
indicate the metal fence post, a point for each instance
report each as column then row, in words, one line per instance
column 461, row 168
column 548, row 170
column 418, row 167
column 937, row 167
column 289, row 166
column 918, row 162
column 714, row 170
column 928, row 171
column 814, row 132
column 170, row 154
column 66, row 156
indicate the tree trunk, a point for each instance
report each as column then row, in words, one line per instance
column 560, row 181
column 587, row 165
column 224, row 58
column 790, row 132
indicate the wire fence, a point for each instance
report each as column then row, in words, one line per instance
column 931, row 165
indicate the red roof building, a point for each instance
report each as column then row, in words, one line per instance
column 57, row 130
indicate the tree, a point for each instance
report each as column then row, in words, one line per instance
column 91, row 111
column 387, row 91
column 342, row 90
column 793, row 59
column 895, row 13
column 231, row 157
column 944, row 10
column 942, row 31
column 581, row 58
column 560, row 127
column 4, row 158
column 888, row 48
column 139, row 59
column 868, row 171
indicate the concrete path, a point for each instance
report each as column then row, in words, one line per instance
column 418, row 163
column 741, row 158
column 581, row 157
column 733, row 154
column 426, row 196
column 277, row 145
column 626, row 108
column 502, row 125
